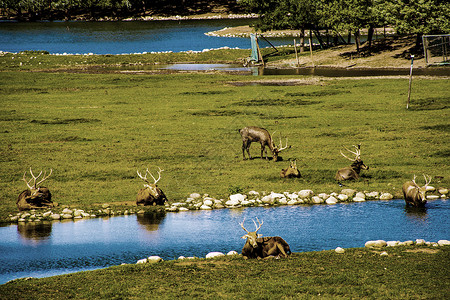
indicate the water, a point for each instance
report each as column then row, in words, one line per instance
column 62, row 247
column 122, row 37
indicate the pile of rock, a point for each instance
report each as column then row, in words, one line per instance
column 156, row 259
column 195, row 201
column 418, row 242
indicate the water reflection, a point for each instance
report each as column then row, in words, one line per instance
column 35, row 231
column 150, row 221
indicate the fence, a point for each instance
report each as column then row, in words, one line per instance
column 436, row 49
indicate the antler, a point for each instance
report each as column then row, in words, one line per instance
column 148, row 172
column 281, row 148
column 34, row 178
column 260, row 224
column 427, row 179
column 357, row 153
column 242, row 225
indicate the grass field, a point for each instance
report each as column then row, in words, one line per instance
column 405, row 273
column 96, row 130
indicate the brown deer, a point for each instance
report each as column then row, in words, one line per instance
column 251, row 134
column 352, row 172
column 291, row 171
column 263, row 247
column 414, row 194
column 151, row 194
column 35, row 197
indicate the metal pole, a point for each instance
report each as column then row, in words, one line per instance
column 410, row 81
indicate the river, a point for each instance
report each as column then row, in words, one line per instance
column 63, row 247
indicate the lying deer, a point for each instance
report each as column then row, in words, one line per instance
column 35, row 197
column 263, row 247
column 151, row 194
column 414, row 194
column 251, row 134
column 291, row 171
column 352, row 172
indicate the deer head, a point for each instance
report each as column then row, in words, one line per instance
column 357, row 162
column 252, row 236
column 34, row 188
column 422, row 190
column 279, row 148
column 151, row 186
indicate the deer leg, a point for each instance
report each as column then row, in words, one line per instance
column 246, row 146
column 263, row 149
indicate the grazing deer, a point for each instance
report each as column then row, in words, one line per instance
column 35, row 197
column 263, row 247
column 151, row 194
column 291, row 171
column 414, row 194
column 251, row 134
column 352, row 172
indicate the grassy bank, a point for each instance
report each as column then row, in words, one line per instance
column 96, row 130
column 405, row 273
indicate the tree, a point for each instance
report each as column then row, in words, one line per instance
column 416, row 17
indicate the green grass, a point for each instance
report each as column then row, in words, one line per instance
column 96, row 130
column 406, row 273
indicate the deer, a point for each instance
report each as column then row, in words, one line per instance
column 151, row 194
column 291, row 171
column 352, row 172
column 414, row 194
column 251, row 134
column 35, row 197
column 260, row 247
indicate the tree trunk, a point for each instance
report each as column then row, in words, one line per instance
column 357, row 40
column 302, row 40
column 370, row 37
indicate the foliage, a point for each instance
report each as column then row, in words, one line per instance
column 404, row 273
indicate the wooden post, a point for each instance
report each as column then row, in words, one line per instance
column 410, row 81
column 310, row 47
column 296, row 54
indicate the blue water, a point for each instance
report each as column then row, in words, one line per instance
column 63, row 247
column 121, row 37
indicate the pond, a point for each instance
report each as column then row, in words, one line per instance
column 62, row 247
column 122, row 37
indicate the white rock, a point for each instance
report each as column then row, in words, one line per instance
column 432, row 197
column 207, row 202
column 181, row 257
column 305, row 194
column 67, row 211
column 214, row 254
column 292, row 202
column 46, row 214
column 245, row 203
column 282, row 201
column 339, row 250
column 317, row 200
column 360, row 195
column 443, row 242
column 55, row 216
column 178, row 204
column 277, row 195
column 342, row 197
column 238, row 197
column 292, row 196
column 386, row 196
column 384, row 253
column 358, row 199
column 420, row 242
column 430, row 188
column 392, row 243
column 443, row 191
column 154, row 259
column 232, row 253
column 253, row 193
column 372, row 195
column 324, row 196
column 142, row 261
column 183, row 209
column 331, row 200
column 195, row 196
column 348, row 192
column 267, row 199
column 232, row 203
column 406, row 243
column 375, row 244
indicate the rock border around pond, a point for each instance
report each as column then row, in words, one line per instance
column 195, row 201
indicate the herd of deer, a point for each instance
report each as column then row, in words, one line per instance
column 256, row 246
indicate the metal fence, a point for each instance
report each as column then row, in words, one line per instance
column 436, row 49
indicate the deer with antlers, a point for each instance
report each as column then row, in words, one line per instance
column 251, row 134
column 414, row 194
column 35, row 197
column 263, row 247
column 291, row 171
column 352, row 172
column 151, row 194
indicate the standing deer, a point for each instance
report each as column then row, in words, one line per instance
column 263, row 247
column 414, row 194
column 352, row 172
column 151, row 194
column 251, row 134
column 291, row 171
column 35, row 196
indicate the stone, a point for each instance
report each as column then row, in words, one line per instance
column 375, row 244
column 178, row 204
column 342, row 197
column 360, row 195
column 207, row 202
column 104, row 205
column 232, row 203
column 372, row 195
column 232, row 252
column 339, row 250
column 47, row 214
column 384, row 253
column 238, row 197
column 420, row 242
column 324, row 196
column 183, row 209
column 66, row 216
column 195, row 196
column 443, row 191
column 358, row 199
column 214, row 254
column 267, row 199
column 292, row 202
column 304, row 194
column 443, row 242
column 205, row 207
column 141, row 261
column 386, row 196
column 406, row 243
column 67, row 211
column 282, row 201
column 432, row 197
column 392, row 243
column 331, row 200
column 154, row 259
column 348, row 192
column 317, row 200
